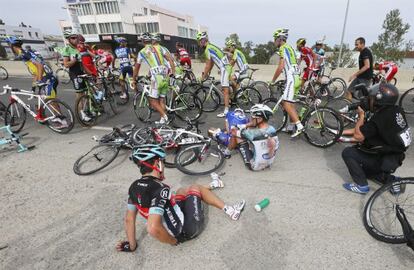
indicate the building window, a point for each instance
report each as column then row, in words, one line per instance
column 30, row 34
column 182, row 31
column 110, row 7
column 82, row 9
column 153, row 12
column 193, row 33
column 18, row 33
column 89, row 29
column 145, row 11
column 111, row 28
column 153, row 27
column 140, row 28
column 37, row 34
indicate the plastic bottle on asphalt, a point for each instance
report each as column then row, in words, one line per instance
column 264, row 203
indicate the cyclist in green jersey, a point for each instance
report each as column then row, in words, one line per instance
column 156, row 39
column 155, row 57
column 215, row 56
column 288, row 64
column 238, row 58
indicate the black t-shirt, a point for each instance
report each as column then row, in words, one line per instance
column 387, row 128
column 151, row 196
column 365, row 54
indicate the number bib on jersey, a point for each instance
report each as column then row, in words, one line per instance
column 406, row 137
column 160, row 70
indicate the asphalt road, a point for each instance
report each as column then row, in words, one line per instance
column 51, row 218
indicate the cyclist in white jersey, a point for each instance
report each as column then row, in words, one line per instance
column 257, row 140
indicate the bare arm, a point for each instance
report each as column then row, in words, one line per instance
column 40, row 70
column 172, row 64
column 130, row 219
column 279, row 69
column 137, row 67
column 358, row 136
column 68, row 63
column 156, row 230
column 207, row 69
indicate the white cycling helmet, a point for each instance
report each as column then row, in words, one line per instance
column 261, row 110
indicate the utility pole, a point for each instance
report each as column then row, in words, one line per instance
column 343, row 34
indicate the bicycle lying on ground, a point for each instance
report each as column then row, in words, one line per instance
column 101, row 155
column 3, row 73
column 53, row 113
column 389, row 213
column 10, row 138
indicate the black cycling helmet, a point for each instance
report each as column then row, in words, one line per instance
column 384, row 94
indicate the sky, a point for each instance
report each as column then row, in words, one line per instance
column 251, row 20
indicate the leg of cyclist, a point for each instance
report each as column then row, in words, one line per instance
column 225, row 84
column 292, row 86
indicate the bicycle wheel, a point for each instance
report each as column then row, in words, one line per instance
column 247, row 97
column 349, row 118
column 380, row 218
column 263, row 88
column 63, row 75
column 210, row 99
column 407, row 101
column 394, row 81
column 62, row 118
column 85, row 110
column 96, row 159
column 3, row 73
column 208, row 159
column 279, row 117
column 15, row 117
column 142, row 108
column 143, row 136
column 188, row 106
column 337, row 87
column 323, row 127
column 3, row 109
column 117, row 93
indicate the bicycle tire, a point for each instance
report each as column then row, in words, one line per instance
column 407, row 101
column 185, row 157
column 247, row 97
column 339, row 103
column 14, row 113
column 3, row 109
column 368, row 219
column 262, row 88
column 67, row 115
column 279, row 118
column 210, row 99
column 63, row 75
column 192, row 106
column 4, row 75
column 116, row 93
column 339, row 90
column 327, row 122
column 83, row 104
column 93, row 156
column 142, row 107
column 394, row 81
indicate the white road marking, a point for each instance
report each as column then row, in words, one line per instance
column 102, row 128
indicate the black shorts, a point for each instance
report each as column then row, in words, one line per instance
column 193, row 209
column 127, row 70
column 351, row 87
column 246, row 153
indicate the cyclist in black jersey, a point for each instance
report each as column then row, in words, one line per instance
column 172, row 217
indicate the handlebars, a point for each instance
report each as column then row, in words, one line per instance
column 7, row 88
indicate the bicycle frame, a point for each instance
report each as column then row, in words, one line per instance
column 13, row 138
column 176, row 133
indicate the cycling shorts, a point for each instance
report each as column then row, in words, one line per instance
column 159, row 86
column 246, row 154
column 126, row 70
column 51, row 87
column 79, row 84
column 193, row 209
column 292, row 87
column 225, row 76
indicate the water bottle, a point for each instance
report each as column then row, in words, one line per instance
column 98, row 95
column 264, row 203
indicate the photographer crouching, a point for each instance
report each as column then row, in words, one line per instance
column 382, row 140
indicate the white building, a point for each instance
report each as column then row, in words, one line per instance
column 101, row 20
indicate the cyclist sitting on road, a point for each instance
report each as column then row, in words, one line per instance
column 289, row 65
column 183, row 55
column 383, row 139
column 215, row 56
column 257, row 140
column 240, row 59
column 388, row 68
column 124, row 54
column 155, row 57
column 172, row 217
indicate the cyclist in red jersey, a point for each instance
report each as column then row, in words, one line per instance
column 389, row 69
column 183, row 55
column 310, row 59
column 87, row 59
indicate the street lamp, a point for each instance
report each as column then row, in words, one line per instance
column 343, row 34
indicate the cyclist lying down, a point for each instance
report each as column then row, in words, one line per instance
column 257, row 140
column 172, row 218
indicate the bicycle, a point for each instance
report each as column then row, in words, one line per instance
column 108, row 148
column 244, row 98
column 245, row 79
column 112, row 81
column 407, row 101
column 333, row 88
column 11, row 138
column 3, row 73
column 62, row 73
column 179, row 102
column 88, row 105
column 335, row 85
column 53, row 112
column 391, row 203
column 318, row 122
column 2, row 111
column 378, row 77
